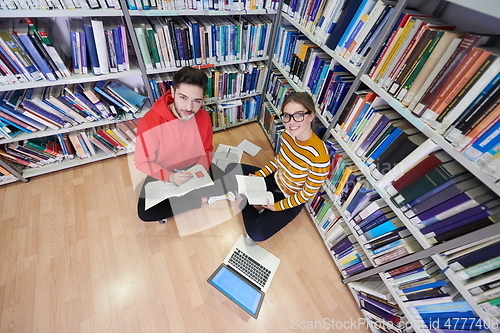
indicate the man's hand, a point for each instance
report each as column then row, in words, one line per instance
column 180, row 177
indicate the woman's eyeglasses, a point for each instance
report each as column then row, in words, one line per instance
column 298, row 117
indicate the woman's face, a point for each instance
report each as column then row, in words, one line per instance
column 293, row 112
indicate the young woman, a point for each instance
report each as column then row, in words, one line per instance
column 294, row 176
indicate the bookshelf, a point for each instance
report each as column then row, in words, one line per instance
column 362, row 80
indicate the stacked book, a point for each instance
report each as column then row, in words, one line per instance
column 323, row 18
column 439, row 196
column 5, row 175
column 29, row 53
column 379, row 307
column 432, row 299
column 477, row 266
column 310, row 67
column 188, row 41
column 35, row 153
column 59, row 107
column 354, row 43
column 98, row 43
column 233, row 5
column 59, row 4
column 226, row 114
column 272, row 125
column 224, row 82
column 376, row 133
column 346, row 252
column 278, row 88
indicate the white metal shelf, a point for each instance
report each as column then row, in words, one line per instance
column 215, row 100
column 195, row 12
column 49, row 132
column 74, row 78
column 218, row 64
column 8, row 180
column 488, row 7
column 21, row 13
column 415, row 324
column 431, row 134
column 321, row 234
column 67, row 163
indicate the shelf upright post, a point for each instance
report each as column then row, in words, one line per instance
column 135, row 45
column 384, row 34
column 13, row 171
column 272, row 40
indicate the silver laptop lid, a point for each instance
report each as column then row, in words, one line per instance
column 258, row 254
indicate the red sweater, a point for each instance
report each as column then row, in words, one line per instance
column 165, row 143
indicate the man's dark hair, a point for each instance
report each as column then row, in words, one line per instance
column 192, row 76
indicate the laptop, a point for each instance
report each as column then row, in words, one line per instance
column 245, row 275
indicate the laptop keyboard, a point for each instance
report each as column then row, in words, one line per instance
column 251, row 268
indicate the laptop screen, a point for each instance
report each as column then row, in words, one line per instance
column 238, row 289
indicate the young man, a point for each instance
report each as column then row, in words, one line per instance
column 174, row 135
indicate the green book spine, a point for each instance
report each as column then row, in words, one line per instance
column 379, row 141
column 428, row 182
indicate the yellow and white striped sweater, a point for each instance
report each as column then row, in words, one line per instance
column 301, row 167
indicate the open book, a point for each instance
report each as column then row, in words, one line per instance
column 160, row 190
column 254, row 188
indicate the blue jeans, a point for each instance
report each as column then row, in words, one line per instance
column 261, row 226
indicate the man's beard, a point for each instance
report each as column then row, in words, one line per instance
column 177, row 113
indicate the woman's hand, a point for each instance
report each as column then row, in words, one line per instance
column 270, row 206
column 252, row 175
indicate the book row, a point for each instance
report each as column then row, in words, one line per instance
column 272, row 124
column 188, row 41
column 343, row 246
column 311, row 68
column 224, row 82
column 231, row 5
column 38, row 152
column 449, row 79
column 320, row 18
column 57, row 107
column 432, row 190
column 476, row 265
column 380, row 309
column 58, row 4
column 227, row 114
column 29, row 53
column 366, row 113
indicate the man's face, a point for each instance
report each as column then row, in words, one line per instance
column 188, row 99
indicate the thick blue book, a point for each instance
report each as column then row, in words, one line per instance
column 91, row 48
column 384, row 213
column 28, row 105
column 349, row 10
column 451, row 207
column 441, row 196
column 472, row 258
column 382, row 229
column 430, row 285
column 474, row 213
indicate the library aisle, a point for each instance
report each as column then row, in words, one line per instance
column 75, row 258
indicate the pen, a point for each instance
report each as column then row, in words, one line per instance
column 182, row 171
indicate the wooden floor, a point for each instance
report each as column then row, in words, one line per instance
column 74, row 257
